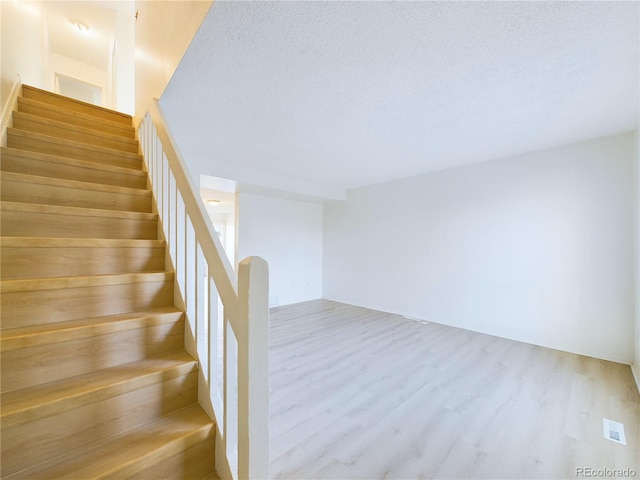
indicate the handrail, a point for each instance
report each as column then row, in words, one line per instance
column 238, row 401
column 211, row 246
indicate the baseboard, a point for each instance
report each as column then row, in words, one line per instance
column 635, row 369
column 8, row 108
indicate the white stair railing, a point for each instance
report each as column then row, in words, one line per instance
column 239, row 401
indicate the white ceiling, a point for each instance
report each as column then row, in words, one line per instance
column 356, row 93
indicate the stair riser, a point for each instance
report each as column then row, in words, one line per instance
column 61, row 434
column 17, row 191
column 124, row 144
column 47, row 363
column 13, row 163
column 75, row 119
column 195, row 462
column 31, row 262
column 21, row 309
column 74, row 106
column 51, row 148
column 34, row 224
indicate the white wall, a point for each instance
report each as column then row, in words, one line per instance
column 23, row 45
column 288, row 235
column 124, row 68
column 164, row 30
column 537, row 248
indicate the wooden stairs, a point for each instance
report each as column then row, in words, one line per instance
column 95, row 381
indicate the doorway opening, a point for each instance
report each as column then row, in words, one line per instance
column 74, row 88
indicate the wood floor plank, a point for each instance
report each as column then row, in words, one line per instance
column 360, row 394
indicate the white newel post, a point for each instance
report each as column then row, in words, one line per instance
column 253, row 369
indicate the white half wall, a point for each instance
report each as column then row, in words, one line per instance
column 288, row 235
column 537, row 248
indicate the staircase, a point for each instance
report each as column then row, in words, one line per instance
column 95, row 379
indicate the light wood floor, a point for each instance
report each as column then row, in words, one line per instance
column 357, row 393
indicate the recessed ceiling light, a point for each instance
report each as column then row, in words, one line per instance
column 213, row 203
column 81, row 26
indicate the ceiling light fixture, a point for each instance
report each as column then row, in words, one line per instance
column 213, row 203
column 81, row 26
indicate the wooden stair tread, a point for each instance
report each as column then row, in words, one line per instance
column 45, row 334
column 76, row 211
column 38, row 257
column 97, row 383
column 125, row 455
column 19, row 219
column 45, row 157
column 54, row 242
column 73, row 117
column 212, row 476
column 57, row 283
column 16, row 132
column 36, row 119
column 74, row 184
column 88, row 108
column 42, row 190
column 28, row 404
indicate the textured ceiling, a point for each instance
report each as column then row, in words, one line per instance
column 357, row 93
